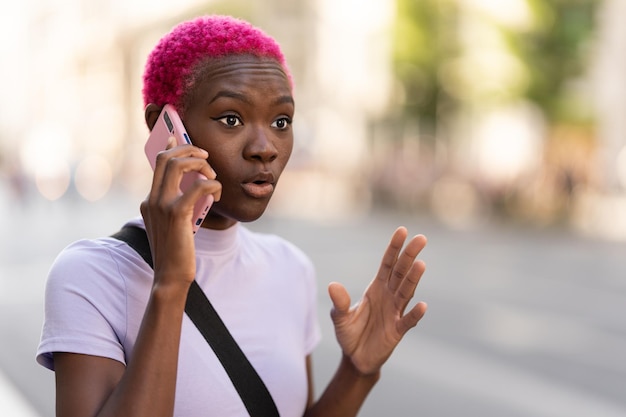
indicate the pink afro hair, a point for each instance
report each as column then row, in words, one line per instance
column 172, row 61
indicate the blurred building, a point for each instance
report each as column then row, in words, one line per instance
column 602, row 211
column 71, row 117
column 73, row 101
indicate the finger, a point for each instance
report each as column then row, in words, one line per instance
column 340, row 298
column 410, row 320
column 406, row 290
column 176, row 168
column 405, row 261
column 145, row 213
column 171, row 142
column 159, row 164
column 199, row 189
column 391, row 254
column 206, row 186
column 163, row 158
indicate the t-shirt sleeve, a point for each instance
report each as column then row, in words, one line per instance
column 85, row 305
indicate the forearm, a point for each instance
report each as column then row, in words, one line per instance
column 345, row 393
column 148, row 385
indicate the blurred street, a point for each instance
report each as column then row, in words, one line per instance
column 521, row 322
column 471, row 111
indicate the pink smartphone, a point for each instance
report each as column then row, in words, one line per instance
column 169, row 124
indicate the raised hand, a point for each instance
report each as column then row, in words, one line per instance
column 369, row 331
column 167, row 211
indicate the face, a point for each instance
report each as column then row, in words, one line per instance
column 240, row 113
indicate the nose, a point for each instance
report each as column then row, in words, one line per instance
column 260, row 146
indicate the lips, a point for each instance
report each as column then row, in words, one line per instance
column 260, row 185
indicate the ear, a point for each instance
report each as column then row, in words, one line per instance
column 152, row 114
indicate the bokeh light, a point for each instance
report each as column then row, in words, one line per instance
column 45, row 156
column 93, row 177
column 621, row 167
column 508, row 143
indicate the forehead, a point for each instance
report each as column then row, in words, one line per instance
column 240, row 73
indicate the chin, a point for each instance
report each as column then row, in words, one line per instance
column 244, row 216
column 248, row 218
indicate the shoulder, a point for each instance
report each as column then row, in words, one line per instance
column 85, row 253
column 92, row 254
column 87, row 299
column 98, row 253
column 100, row 262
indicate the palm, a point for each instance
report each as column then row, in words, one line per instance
column 369, row 331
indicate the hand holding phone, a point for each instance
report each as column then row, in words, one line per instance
column 167, row 125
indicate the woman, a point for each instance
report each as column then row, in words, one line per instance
column 115, row 331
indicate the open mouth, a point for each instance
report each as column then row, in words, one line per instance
column 258, row 189
column 261, row 185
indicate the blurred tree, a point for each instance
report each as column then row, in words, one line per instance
column 556, row 53
column 424, row 38
column 459, row 60
column 553, row 50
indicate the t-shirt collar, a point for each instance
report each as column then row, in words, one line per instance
column 210, row 241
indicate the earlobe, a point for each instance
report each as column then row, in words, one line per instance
column 152, row 114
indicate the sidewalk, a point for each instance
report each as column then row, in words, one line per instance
column 12, row 403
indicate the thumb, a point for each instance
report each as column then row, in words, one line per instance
column 171, row 142
column 340, row 298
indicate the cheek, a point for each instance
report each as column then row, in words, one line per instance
column 224, row 167
column 223, row 162
column 222, row 156
column 284, row 151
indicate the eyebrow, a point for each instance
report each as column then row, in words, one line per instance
column 229, row 94
column 286, row 99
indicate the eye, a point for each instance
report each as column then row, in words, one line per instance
column 281, row 123
column 231, row 120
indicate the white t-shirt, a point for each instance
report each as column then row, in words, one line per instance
column 262, row 287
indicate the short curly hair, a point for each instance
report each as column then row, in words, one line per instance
column 169, row 71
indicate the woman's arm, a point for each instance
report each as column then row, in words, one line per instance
column 96, row 386
column 369, row 331
column 344, row 395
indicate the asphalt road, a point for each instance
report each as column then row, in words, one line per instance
column 521, row 322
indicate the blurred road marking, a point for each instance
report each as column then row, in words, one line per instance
column 496, row 382
column 12, row 403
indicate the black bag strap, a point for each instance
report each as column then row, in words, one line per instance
column 253, row 392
